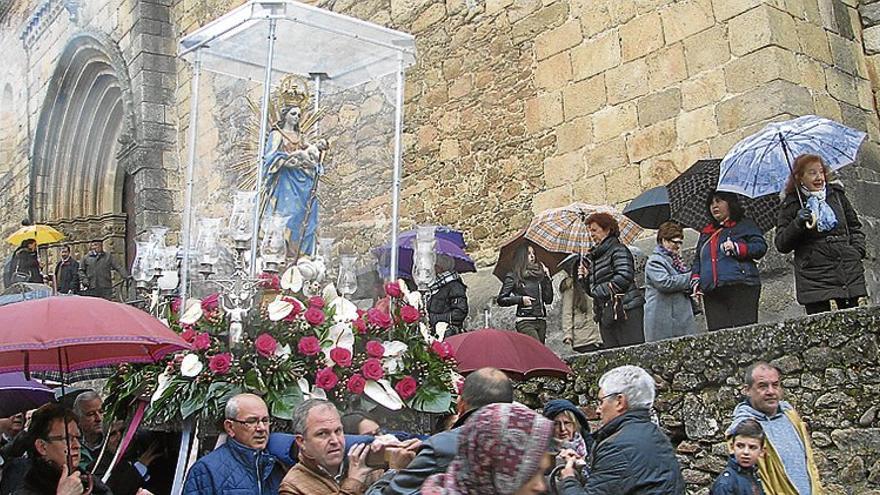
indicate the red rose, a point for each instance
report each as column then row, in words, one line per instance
column 442, row 349
column 356, row 384
column 326, row 379
column 309, row 346
column 270, row 281
column 220, row 363
column 266, row 345
column 372, row 369
column 406, row 387
column 314, row 316
column 201, row 341
column 176, row 304
column 393, row 290
column 360, row 325
column 316, row 302
column 341, row 356
column 297, row 308
column 188, row 334
column 379, row 318
column 211, row 302
column 375, row 349
column 410, row 314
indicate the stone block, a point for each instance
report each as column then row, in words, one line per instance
column 596, row 55
column 866, row 94
column 530, row 27
column 431, row 16
column 759, row 67
column 697, row 125
column 853, row 116
column 449, row 150
column 496, row 6
column 762, row 26
column 590, row 190
column 814, row 41
column 666, row 67
column 594, row 16
column 725, row 9
column 551, row 198
column 707, row 50
column 657, row 171
column 870, row 14
column 842, row 53
column 640, row 36
column 612, row 122
column 871, row 37
column 605, row 157
column 556, row 40
column 772, row 99
column 651, row 141
column 543, row 111
column 842, row 86
column 622, row 11
column 583, row 97
column 685, row 18
column 554, row 72
column 705, row 88
column 827, row 107
column 622, row 184
column 659, row 106
column 646, row 6
column 563, row 169
column 574, row 135
column 627, row 81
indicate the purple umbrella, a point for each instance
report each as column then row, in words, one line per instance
column 448, row 241
column 18, row 395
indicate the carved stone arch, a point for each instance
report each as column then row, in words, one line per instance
column 86, row 114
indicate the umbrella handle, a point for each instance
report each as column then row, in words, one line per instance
column 787, row 154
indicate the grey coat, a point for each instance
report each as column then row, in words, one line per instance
column 668, row 310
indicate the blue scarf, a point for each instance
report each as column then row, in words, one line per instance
column 827, row 220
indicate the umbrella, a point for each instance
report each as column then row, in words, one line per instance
column 19, row 394
column 649, row 209
column 447, row 241
column 520, row 356
column 44, row 234
column 761, row 163
column 564, row 230
column 508, row 251
column 689, row 192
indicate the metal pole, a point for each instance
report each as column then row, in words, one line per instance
column 261, row 150
column 186, row 235
column 395, row 191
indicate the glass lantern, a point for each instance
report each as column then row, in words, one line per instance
column 142, row 267
column 274, row 248
column 207, row 245
column 424, row 256
column 346, row 283
column 241, row 226
column 325, row 248
column 156, row 237
column 169, row 279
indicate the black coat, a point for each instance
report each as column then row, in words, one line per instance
column 449, row 304
column 630, row 456
column 42, row 479
column 512, row 292
column 26, row 262
column 67, row 276
column 612, row 263
column 827, row 265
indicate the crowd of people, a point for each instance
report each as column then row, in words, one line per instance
column 494, row 446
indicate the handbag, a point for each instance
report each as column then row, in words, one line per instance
column 612, row 309
column 19, row 276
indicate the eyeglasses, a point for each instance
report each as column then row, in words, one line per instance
column 61, row 438
column 252, row 422
column 606, row 396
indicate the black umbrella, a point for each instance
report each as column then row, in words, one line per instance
column 689, row 192
column 649, row 209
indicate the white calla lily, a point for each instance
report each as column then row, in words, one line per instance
column 440, row 329
column 329, row 293
column 191, row 365
column 345, row 310
column 414, row 299
column 339, row 335
column 193, row 312
column 382, row 393
column 292, row 279
column 426, row 332
column 279, row 309
column 394, row 348
column 310, row 392
column 283, row 351
column 163, row 381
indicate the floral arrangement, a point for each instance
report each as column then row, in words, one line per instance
column 296, row 348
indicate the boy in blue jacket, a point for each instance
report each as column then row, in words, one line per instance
column 740, row 477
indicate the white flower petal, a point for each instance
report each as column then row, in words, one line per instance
column 426, row 333
column 193, row 312
column 346, row 311
column 383, row 394
column 394, row 348
column 283, row 351
column 162, row 380
column 440, row 328
column 414, row 299
column 191, row 365
column 279, row 309
column 292, row 279
column 329, row 293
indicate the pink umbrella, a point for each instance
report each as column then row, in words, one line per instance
column 520, row 356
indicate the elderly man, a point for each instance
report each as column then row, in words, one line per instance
column 89, row 409
column 52, row 429
column 94, row 271
column 481, row 388
column 631, row 455
column 241, row 465
column 787, row 465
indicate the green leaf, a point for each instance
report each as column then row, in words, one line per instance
column 253, row 380
column 285, row 402
column 193, row 402
column 218, row 389
column 432, row 402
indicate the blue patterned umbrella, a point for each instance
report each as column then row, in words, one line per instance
column 761, row 163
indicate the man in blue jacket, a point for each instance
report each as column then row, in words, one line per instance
column 242, row 465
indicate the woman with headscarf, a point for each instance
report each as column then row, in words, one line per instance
column 529, row 288
column 570, row 427
column 668, row 309
column 826, row 236
column 502, row 450
column 724, row 271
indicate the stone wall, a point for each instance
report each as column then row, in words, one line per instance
column 831, row 374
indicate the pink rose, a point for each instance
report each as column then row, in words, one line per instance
column 443, row 350
column 459, row 386
column 393, row 290
column 176, row 304
column 270, row 281
column 188, row 334
column 211, row 302
column 372, row 369
column 220, row 363
column 316, row 302
column 314, row 316
column 341, row 356
column 379, row 318
column 309, row 346
column 406, row 387
column 410, row 314
column 375, row 349
column 356, row 384
column 326, row 379
column 266, row 345
column 201, row 341
column 360, row 325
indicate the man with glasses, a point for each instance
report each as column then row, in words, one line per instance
column 242, row 465
column 632, row 456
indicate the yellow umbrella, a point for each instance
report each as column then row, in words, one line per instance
column 44, row 234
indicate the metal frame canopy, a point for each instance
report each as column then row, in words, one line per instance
column 309, row 40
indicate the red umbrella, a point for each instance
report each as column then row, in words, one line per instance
column 520, row 356
column 83, row 332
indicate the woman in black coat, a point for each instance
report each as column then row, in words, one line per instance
column 529, row 288
column 447, row 297
column 618, row 303
column 826, row 236
column 25, row 266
